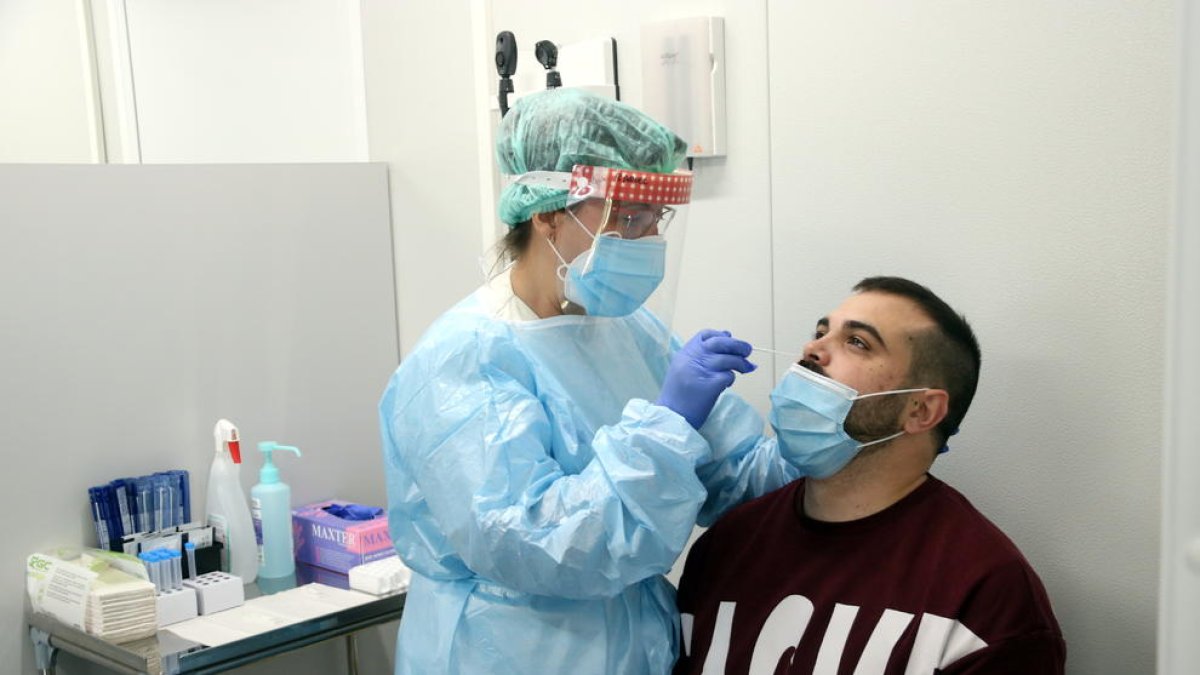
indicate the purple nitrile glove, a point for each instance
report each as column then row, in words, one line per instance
column 700, row 371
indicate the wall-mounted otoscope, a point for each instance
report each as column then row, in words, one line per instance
column 547, row 55
column 506, row 66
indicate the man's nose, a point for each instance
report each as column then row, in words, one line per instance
column 815, row 352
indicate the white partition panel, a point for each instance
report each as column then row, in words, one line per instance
column 138, row 304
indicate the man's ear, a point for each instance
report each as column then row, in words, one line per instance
column 925, row 410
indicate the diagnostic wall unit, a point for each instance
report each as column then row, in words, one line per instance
column 683, row 80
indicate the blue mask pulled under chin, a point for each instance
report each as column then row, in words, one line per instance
column 808, row 413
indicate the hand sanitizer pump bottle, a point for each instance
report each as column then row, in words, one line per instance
column 271, row 508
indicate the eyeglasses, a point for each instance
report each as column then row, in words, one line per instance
column 636, row 221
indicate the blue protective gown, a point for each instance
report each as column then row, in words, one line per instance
column 539, row 497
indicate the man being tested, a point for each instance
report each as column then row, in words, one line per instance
column 870, row 566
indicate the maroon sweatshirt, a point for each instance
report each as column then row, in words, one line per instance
column 928, row 585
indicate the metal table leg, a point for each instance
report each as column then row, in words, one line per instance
column 44, row 654
column 351, row 654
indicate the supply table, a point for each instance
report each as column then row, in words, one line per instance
column 169, row 654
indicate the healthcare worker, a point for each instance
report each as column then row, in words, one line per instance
column 540, row 443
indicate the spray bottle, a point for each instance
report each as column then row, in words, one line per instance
column 226, row 509
column 271, row 507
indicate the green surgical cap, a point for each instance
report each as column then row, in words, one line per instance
column 556, row 129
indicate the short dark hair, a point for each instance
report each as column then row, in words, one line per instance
column 946, row 357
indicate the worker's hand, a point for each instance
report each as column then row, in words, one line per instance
column 700, row 371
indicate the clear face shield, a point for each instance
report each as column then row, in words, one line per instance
column 636, row 222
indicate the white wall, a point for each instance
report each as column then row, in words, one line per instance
column 230, row 81
column 47, row 111
column 1016, row 158
column 421, row 117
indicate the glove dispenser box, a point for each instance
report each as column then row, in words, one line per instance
column 338, row 544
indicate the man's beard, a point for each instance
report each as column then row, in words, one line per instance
column 875, row 418
column 869, row 419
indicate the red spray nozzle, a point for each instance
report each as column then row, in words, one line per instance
column 235, row 451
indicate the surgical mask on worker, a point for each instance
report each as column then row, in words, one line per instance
column 615, row 276
column 808, row 413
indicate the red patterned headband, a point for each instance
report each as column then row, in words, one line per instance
column 598, row 182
